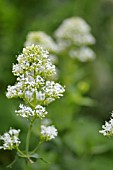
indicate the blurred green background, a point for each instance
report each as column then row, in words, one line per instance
column 79, row 145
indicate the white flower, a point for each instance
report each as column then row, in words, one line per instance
column 29, row 95
column 39, row 80
column 25, row 111
column 53, row 89
column 10, row 139
column 40, row 111
column 17, row 68
column 48, row 132
column 20, row 58
column 14, row 91
column 107, row 128
column 34, row 58
column 46, row 121
column 74, row 31
column 40, row 96
column 34, row 71
column 11, row 92
column 41, row 38
column 83, row 54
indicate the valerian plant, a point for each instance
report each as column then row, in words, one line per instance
column 36, row 87
column 71, row 45
column 72, row 41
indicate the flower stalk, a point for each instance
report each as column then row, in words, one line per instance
column 28, row 138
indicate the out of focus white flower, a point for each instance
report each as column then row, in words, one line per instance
column 46, row 121
column 74, row 31
column 41, row 38
column 10, row 139
column 107, row 129
column 53, row 58
column 83, row 54
column 48, row 132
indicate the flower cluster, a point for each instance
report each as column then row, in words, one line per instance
column 108, row 127
column 35, row 86
column 74, row 31
column 48, row 132
column 41, row 38
column 83, row 54
column 34, row 72
column 27, row 112
column 73, row 36
column 10, row 139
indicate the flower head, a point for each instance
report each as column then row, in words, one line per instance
column 34, row 59
column 35, row 85
column 35, row 72
column 27, row 112
column 74, row 31
column 10, row 139
column 41, row 38
column 48, row 132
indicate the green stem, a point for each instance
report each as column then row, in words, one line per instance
column 28, row 135
column 20, row 152
column 37, row 147
column 32, row 106
column 24, row 155
column 28, row 138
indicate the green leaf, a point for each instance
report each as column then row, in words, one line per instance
column 35, row 157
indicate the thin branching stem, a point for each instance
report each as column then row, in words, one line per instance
column 36, row 148
column 28, row 135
